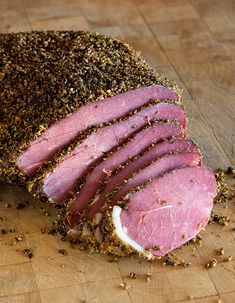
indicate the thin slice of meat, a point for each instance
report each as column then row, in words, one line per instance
column 58, row 185
column 158, row 150
column 139, row 143
column 155, row 169
column 66, row 130
column 167, row 212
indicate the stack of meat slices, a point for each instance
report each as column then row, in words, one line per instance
column 132, row 182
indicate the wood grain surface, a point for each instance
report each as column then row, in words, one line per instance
column 189, row 41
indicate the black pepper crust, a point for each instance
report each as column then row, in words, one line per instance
column 35, row 185
column 44, row 76
column 109, row 177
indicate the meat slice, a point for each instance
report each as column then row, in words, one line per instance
column 59, row 184
column 158, row 150
column 165, row 213
column 155, row 169
column 66, row 130
column 131, row 149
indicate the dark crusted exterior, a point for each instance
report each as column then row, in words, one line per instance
column 44, row 76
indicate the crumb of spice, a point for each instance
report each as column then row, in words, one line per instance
column 168, row 261
column 28, row 252
column 43, row 231
column 124, row 286
column 231, row 170
column 62, row 252
column 52, row 231
column 223, row 220
column 46, row 213
column 20, row 206
column 149, row 276
column 190, row 297
column 12, row 230
column 229, row 259
column 132, row 275
column 220, row 251
column 113, row 260
column 3, row 231
column 211, row 264
column 8, row 205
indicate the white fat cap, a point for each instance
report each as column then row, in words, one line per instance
column 121, row 232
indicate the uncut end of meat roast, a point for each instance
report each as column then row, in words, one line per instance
column 87, row 123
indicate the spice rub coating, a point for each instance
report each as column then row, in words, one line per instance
column 44, row 76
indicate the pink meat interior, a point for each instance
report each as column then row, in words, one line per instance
column 158, row 150
column 59, row 184
column 69, row 128
column 170, row 210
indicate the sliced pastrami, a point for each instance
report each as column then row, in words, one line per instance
column 66, row 130
column 158, row 150
column 59, row 184
column 139, row 143
column 167, row 212
column 155, row 169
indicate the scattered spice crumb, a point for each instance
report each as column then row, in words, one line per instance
column 46, row 213
column 223, row 220
column 12, row 230
column 190, row 297
column 113, row 260
column 3, row 231
column 168, row 261
column 211, row 264
column 43, row 231
column 7, row 205
column 132, row 275
column 149, row 276
column 18, row 238
column 231, row 170
column 220, row 251
column 124, row 286
column 62, row 252
column 186, row 264
column 52, row 232
column 20, row 206
column 229, row 259
column 28, row 252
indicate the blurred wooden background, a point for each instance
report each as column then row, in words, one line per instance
column 189, row 41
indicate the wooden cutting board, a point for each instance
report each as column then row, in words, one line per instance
column 58, row 272
column 191, row 42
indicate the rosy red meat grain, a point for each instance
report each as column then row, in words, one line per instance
column 158, row 150
column 157, row 168
column 169, row 211
column 139, row 142
column 66, row 130
column 59, row 184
